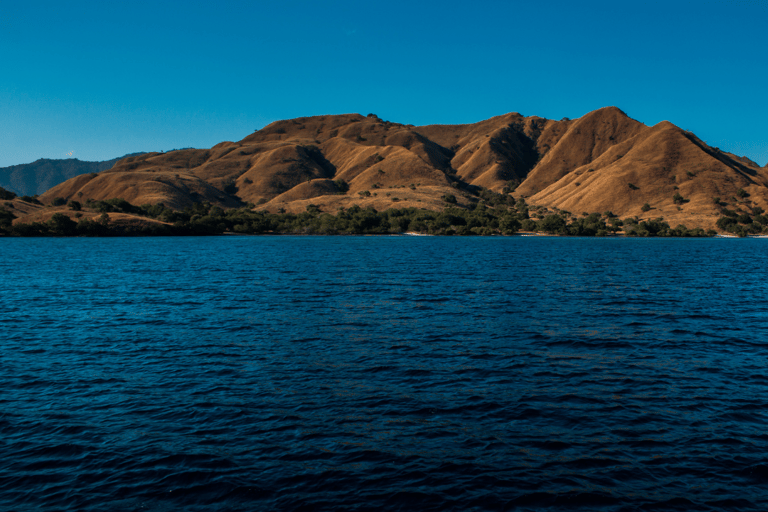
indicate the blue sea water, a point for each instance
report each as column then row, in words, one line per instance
column 368, row 373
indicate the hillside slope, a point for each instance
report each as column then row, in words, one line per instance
column 43, row 174
column 603, row 161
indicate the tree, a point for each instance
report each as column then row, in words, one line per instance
column 552, row 224
column 726, row 223
column 62, row 225
column 509, row 225
column 6, row 218
column 342, row 186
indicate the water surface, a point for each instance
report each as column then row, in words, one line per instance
column 355, row 373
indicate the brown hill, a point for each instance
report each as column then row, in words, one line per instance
column 39, row 176
column 601, row 161
column 653, row 166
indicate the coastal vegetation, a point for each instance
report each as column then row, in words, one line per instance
column 499, row 215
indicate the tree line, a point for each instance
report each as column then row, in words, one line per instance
column 496, row 215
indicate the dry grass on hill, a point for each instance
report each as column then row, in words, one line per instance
column 603, row 161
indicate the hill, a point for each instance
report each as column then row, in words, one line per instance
column 603, row 161
column 43, row 174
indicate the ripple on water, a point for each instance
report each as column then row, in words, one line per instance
column 383, row 372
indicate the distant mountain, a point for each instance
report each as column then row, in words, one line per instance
column 39, row 176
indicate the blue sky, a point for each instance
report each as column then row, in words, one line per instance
column 100, row 79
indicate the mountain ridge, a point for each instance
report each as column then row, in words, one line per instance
column 44, row 173
column 602, row 161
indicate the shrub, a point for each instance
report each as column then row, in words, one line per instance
column 646, row 207
column 62, row 225
column 58, row 201
column 231, row 187
column 450, row 198
column 678, row 199
column 726, row 223
column 6, row 218
column 75, row 205
column 742, row 193
column 30, row 199
column 633, row 186
column 342, row 186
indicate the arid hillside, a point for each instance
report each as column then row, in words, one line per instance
column 603, row 161
column 41, row 175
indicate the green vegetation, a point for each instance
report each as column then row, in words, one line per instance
column 342, row 186
column 30, row 199
column 633, row 186
column 743, row 224
column 491, row 214
column 646, row 207
column 6, row 218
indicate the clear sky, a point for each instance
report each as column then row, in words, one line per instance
column 96, row 80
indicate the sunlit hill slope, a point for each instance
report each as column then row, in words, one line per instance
column 603, row 161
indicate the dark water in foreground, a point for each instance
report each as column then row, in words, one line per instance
column 354, row 373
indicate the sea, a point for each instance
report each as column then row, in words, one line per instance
column 359, row 373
